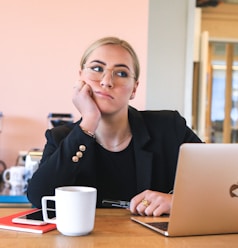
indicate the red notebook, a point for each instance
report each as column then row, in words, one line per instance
column 6, row 223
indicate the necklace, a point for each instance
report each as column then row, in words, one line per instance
column 115, row 146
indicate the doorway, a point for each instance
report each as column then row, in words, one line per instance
column 222, row 93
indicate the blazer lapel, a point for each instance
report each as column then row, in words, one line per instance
column 143, row 158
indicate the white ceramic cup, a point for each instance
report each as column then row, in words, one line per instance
column 15, row 176
column 75, row 209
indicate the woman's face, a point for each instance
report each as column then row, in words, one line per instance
column 109, row 72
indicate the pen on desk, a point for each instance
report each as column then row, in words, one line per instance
column 120, row 203
column 115, row 203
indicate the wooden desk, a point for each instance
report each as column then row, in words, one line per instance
column 113, row 228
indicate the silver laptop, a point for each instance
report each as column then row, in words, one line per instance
column 205, row 199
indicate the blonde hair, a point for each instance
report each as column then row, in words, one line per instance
column 113, row 41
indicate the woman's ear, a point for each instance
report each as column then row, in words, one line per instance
column 133, row 94
column 81, row 75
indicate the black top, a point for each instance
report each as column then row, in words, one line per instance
column 157, row 136
column 116, row 174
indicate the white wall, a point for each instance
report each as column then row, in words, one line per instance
column 170, row 56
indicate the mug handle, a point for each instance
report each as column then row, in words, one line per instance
column 44, row 200
column 4, row 176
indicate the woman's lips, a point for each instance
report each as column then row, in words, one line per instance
column 103, row 94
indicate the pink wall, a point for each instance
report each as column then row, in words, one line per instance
column 41, row 45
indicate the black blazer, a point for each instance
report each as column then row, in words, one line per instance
column 157, row 136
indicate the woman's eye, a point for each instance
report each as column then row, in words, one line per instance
column 122, row 74
column 97, row 68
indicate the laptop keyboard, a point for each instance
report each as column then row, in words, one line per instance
column 160, row 225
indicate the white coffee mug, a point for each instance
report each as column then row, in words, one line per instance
column 15, row 176
column 75, row 209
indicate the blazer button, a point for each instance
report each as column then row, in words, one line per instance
column 79, row 154
column 82, row 148
column 75, row 159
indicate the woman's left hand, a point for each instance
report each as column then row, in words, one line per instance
column 151, row 203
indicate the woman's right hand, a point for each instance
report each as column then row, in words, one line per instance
column 85, row 104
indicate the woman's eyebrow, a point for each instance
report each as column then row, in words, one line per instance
column 97, row 61
column 122, row 65
column 103, row 63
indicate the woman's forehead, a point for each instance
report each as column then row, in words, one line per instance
column 111, row 54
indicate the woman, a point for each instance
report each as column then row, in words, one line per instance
column 126, row 154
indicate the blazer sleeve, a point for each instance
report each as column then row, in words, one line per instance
column 57, row 167
column 184, row 133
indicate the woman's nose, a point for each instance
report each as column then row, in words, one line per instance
column 107, row 79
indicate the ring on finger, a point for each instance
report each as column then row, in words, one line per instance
column 145, row 202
